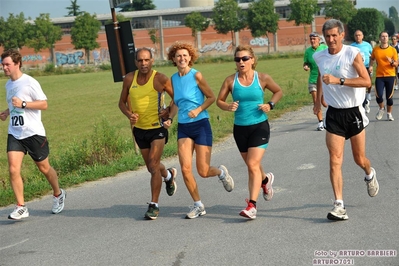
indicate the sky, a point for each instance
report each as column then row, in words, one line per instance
column 57, row 8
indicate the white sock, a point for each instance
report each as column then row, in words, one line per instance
column 340, row 202
column 370, row 176
column 168, row 176
column 197, row 203
column 155, row 203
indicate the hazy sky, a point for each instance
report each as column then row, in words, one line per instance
column 57, row 8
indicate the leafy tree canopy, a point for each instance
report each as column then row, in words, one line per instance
column 228, row 17
column 342, row 10
column 138, row 5
column 261, row 18
column 302, row 11
column 370, row 21
column 84, row 33
column 13, row 31
column 43, row 34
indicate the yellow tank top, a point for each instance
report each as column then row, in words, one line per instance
column 145, row 101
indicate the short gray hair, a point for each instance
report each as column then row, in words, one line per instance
column 333, row 23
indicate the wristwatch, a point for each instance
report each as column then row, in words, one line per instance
column 23, row 104
column 342, row 81
column 271, row 105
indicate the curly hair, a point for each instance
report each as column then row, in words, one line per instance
column 250, row 51
column 182, row 45
column 15, row 55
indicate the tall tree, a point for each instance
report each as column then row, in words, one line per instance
column 197, row 23
column 137, row 5
column 74, row 9
column 262, row 19
column 44, row 34
column 393, row 15
column 370, row 21
column 342, row 10
column 228, row 18
column 302, row 12
column 13, row 32
column 84, row 33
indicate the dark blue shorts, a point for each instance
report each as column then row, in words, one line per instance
column 199, row 131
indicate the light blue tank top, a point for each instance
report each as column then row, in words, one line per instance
column 249, row 98
column 187, row 96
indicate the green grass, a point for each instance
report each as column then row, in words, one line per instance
column 83, row 106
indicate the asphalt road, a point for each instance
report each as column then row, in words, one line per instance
column 102, row 223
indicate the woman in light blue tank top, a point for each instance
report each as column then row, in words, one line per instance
column 192, row 95
column 251, row 127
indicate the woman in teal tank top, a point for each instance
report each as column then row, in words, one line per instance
column 251, row 127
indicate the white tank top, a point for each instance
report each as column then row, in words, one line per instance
column 340, row 65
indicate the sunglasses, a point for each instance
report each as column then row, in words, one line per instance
column 244, row 58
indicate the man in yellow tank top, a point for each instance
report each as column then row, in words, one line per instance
column 141, row 101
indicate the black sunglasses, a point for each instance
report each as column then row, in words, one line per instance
column 244, row 58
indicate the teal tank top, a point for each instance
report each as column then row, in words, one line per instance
column 249, row 98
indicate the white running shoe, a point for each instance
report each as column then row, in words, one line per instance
column 196, row 211
column 228, row 182
column 58, row 202
column 380, row 113
column 372, row 185
column 320, row 126
column 338, row 213
column 267, row 188
column 367, row 107
column 390, row 117
column 19, row 213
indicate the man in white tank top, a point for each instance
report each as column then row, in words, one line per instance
column 342, row 80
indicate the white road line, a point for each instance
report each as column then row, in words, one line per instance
column 10, row 246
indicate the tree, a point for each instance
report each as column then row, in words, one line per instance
column 137, row 5
column 44, row 34
column 262, row 19
column 74, row 9
column 302, row 12
column 370, row 21
column 342, row 10
column 228, row 17
column 119, row 18
column 393, row 15
column 13, row 32
column 84, row 33
column 389, row 26
column 197, row 23
column 154, row 37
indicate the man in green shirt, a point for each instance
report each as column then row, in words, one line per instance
column 310, row 65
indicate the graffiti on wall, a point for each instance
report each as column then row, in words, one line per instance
column 74, row 58
column 259, row 41
column 217, row 46
column 32, row 58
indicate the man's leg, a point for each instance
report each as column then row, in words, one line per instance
column 14, row 164
column 51, row 175
column 335, row 145
column 152, row 159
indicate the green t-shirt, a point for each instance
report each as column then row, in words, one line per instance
column 308, row 60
